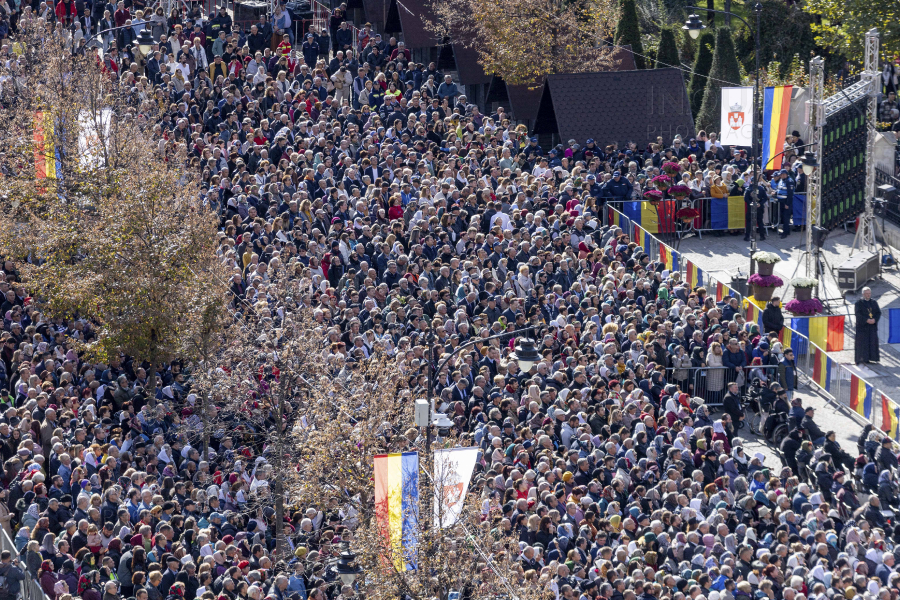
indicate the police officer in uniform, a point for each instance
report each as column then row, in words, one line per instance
column 784, row 193
column 761, row 200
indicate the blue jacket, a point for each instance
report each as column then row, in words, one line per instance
column 734, row 359
column 786, row 371
column 618, row 190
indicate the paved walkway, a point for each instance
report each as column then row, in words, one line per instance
column 727, row 256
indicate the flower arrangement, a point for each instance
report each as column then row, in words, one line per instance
column 653, row 196
column 804, row 308
column 770, row 258
column 679, row 191
column 687, row 214
column 671, row 168
column 766, row 281
column 662, row 181
column 804, row 282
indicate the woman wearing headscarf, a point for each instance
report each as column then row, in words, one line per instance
column 89, row 586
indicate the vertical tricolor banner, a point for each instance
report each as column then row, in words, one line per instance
column 776, row 106
column 46, row 157
column 860, row 397
column 397, row 505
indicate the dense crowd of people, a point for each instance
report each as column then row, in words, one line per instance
column 618, row 461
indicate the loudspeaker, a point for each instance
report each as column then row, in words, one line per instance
column 818, row 235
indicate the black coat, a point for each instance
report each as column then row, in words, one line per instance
column 773, row 320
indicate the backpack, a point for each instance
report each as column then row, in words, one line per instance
column 4, row 582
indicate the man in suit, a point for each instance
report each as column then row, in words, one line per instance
column 374, row 171
column 154, row 67
column 459, row 393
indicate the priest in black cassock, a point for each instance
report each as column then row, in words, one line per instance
column 867, row 315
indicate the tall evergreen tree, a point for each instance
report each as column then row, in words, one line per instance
column 725, row 72
column 667, row 52
column 628, row 32
column 702, row 64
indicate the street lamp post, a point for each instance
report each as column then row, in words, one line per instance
column 694, row 26
column 525, row 354
column 144, row 39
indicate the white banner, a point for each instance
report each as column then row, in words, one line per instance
column 90, row 138
column 736, row 128
column 452, row 471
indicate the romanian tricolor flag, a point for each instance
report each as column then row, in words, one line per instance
column 723, row 291
column 860, row 397
column 726, row 213
column 648, row 216
column 776, row 106
column 668, row 257
column 693, row 275
column 790, row 339
column 821, row 369
column 824, row 332
column 889, row 326
column 754, row 314
column 640, row 237
column 46, row 155
column 396, row 505
column 614, row 217
column 890, row 417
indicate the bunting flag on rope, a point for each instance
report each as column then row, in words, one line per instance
column 889, row 326
column 890, row 417
column 860, row 397
column 824, row 332
column 726, row 213
column 396, row 504
column 693, row 274
column 822, row 369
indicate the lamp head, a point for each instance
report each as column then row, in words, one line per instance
column 145, row 42
column 809, row 163
column 694, row 26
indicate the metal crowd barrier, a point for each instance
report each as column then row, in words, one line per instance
column 31, row 589
column 711, row 383
column 813, row 366
column 771, row 218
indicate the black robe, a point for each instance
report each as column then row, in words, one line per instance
column 866, row 334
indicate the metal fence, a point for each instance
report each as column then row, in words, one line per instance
column 711, row 383
column 672, row 227
column 31, row 589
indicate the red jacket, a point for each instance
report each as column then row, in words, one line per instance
column 66, row 12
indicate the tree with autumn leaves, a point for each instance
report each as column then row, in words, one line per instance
column 523, row 42
column 102, row 218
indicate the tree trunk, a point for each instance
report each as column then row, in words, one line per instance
column 151, row 386
column 727, row 16
column 711, row 16
column 280, row 541
column 204, row 415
